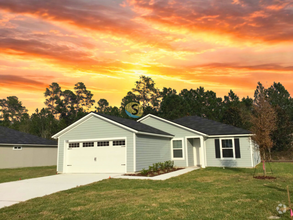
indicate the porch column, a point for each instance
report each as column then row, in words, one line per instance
column 202, row 153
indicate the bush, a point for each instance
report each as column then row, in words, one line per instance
column 144, row 172
column 156, row 167
column 161, row 166
column 169, row 164
column 150, row 168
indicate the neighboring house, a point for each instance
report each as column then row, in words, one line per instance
column 99, row 143
column 19, row 149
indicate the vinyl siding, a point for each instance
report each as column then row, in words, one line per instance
column 96, row 128
column 245, row 152
column 256, row 155
column 190, row 152
column 29, row 156
column 151, row 149
column 174, row 130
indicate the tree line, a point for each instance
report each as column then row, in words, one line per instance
column 63, row 107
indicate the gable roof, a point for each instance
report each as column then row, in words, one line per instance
column 170, row 122
column 210, row 127
column 134, row 125
column 10, row 136
column 127, row 124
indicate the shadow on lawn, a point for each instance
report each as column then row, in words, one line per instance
column 277, row 188
column 240, row 170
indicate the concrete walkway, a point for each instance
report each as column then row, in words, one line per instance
column 160, row 177
column 22, row 190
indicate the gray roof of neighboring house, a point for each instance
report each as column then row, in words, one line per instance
column 10, row 136
column 209, row 127
column 134, row 125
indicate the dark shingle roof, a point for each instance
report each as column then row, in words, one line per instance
column 134, row 125
column 209, row 127
column 10, row 136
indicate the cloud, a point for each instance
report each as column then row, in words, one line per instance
column 115, row 21
column 18, row 82
column 254, row 20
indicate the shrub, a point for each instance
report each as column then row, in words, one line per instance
column 144, row 172
column 155, row 167
column 151, row 169
column 161, row 166
column 158, row 166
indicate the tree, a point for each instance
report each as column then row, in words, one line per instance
column 83, row 100
column 12, row 111
column 280, row 99
column 146, row 92
column 202, row 103
column 173, row 106
column 103, row 105
column 44, row 124
column 236, row 112
column 263, row 123
column 53, row 98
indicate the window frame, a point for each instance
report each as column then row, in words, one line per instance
column 119, row 145
column 17, row 148
column 172, row 149
column 79, row 143
column 109, row 144
column 233, row 149
column 88, row 144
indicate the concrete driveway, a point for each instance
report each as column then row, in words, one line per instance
column 22, row 190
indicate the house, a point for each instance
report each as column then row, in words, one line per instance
column 99, row 143
column 19, row 149
column 202, row 142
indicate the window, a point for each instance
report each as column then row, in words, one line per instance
column 73, row 145
column 88, row 144
column 177, row 149
column 17, row 147
column 227, row 148
column 119, row 143
column 103, row 143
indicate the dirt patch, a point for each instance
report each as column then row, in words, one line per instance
column 151, row 174
column 264, row 177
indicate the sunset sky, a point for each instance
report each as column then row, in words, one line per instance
column 108, row 44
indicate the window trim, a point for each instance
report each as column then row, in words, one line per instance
column 79, row 145
column 16, row 148
column 109, row 143
column 88, row 143
column 123, row 145
column 172, row 152
column 233, row 148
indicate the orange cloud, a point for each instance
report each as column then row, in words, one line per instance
column 250, row 20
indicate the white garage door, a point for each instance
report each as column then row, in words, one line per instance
column 96, row 157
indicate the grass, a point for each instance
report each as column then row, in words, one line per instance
column 8, row 175
column 210, row 193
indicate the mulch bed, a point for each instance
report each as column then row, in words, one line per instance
column 150, row 174
column 264, row 177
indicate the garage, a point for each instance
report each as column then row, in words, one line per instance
column 101, row 156
column 99, row 143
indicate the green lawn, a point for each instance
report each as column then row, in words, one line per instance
column 7, row 175
column 211, row 193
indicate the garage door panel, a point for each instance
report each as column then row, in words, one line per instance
column 106, row 159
